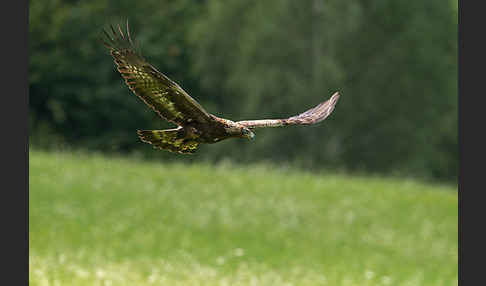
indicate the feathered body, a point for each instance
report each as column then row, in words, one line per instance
column 171, row 102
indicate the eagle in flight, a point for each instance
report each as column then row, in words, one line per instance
column 172, row 103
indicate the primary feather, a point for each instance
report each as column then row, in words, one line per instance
column 311, row 116
column 163, row 95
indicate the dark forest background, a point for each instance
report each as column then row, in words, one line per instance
column 394, row 62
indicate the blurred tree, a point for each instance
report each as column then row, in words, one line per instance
column 395, row 63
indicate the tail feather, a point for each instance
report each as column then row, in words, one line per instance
column 173, row 140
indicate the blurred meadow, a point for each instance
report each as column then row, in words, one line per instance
column 97, row 220
column 367, row 197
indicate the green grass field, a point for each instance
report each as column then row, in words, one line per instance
column 95, row 220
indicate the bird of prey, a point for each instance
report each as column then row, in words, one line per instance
column 172, row 103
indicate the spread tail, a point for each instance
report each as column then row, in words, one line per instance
column 173, row 140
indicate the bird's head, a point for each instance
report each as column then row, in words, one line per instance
column 247, row 133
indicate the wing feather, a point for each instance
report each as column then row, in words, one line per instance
column 159, row 92
column 309, row 117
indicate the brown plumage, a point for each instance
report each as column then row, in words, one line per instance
column 172, row 103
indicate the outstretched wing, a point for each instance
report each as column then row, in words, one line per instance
column 311, row 116
column 163, row 95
